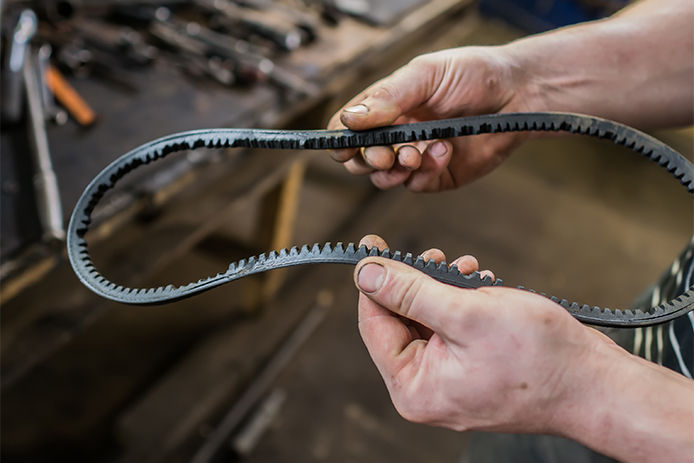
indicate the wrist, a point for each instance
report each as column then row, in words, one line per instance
column 626, row 407
column 573, row 69
column 585, row 402
column 532, row 87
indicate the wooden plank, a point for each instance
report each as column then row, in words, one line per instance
column 282, row 226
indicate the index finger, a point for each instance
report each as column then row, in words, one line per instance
column 340, row 155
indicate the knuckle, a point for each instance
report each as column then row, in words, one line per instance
column 386, row 90
column 407, row 295
column 424, row 63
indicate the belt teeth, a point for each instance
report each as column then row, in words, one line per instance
column 680, row 168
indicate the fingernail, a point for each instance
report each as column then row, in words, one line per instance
column 370, row 277
column 357, row 109
column 438, row 149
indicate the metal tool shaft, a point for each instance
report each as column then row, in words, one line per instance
column 45, row 182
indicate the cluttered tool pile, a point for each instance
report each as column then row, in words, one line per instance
column 228, row 43
column 48, row 46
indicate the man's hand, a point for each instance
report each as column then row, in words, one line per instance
column 508, row 360
column 450, row 83
column 639, row 58
column 493, row 358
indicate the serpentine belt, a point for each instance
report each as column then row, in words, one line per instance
column 620, row 134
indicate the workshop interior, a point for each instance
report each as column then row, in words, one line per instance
column 269, row 367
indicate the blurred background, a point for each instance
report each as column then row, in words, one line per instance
column 269, row 368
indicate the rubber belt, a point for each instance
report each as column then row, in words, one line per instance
column 620, row 134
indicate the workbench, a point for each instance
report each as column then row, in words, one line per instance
column 181, row 202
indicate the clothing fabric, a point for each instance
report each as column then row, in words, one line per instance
column 671, row 344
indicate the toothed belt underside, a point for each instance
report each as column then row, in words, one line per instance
column 643, row 144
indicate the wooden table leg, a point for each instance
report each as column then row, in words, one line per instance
column 276, row 226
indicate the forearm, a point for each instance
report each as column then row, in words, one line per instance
column 636, row 67
column 630, row 409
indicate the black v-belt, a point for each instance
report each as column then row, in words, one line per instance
column 673, row 162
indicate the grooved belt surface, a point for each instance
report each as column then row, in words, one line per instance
column 641, row 143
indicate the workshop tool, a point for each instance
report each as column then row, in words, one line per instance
column 639, row 142
column 53, row 112
column 79, row 58
column 278, row 30
column 300, row 17
column 45, row 183
column 190, row 55
column 249, row 63
column 25, row 29
column 127, row 46
column 240, row 40
column 78, row 108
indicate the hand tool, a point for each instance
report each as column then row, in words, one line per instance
column 69, row 98
column 80, row 61
column 191, row 55
column 249, row 65
column 126, row 46
column 52, row 112
column 283, row 34
column 45, row 183
column 24, row 30
column 286, row 13
column 680, row 168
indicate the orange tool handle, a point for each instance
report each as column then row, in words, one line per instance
column 69, row 98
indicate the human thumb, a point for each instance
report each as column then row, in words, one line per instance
column 389, row 98
column 408, row 292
